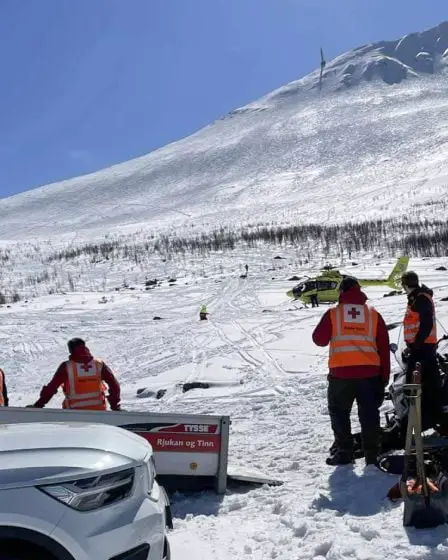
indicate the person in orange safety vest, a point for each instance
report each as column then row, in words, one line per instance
column 359, row 364
column 420, row 335
column 83, row 380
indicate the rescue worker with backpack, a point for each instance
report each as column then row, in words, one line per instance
column 4, row 401
column 420, row 336
column 83, row 380
column 359, row 364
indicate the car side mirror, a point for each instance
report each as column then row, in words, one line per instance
column 393, row 347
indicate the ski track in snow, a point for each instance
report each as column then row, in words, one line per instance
column 271, row 380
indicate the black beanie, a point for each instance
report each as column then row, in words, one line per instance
column 74, row 343
column 347, row 283
column 410, row 279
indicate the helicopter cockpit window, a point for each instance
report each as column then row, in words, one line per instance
column 327, row 285
column 311, row 285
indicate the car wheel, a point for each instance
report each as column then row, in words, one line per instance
column 166, row 550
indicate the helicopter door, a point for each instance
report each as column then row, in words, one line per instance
column 299, row 289
column 327, row 290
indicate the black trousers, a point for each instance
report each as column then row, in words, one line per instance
column 431, row 384
column 369, row 396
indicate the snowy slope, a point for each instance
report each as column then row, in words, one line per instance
column 270, row 379
column 374, row 135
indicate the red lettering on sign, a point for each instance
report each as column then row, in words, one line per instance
column 183, row 443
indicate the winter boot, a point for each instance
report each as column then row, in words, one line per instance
column 371, row 458
column 340, row 458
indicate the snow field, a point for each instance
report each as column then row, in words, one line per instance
column 257, row 353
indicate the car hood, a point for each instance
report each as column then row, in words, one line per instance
column 43, row 453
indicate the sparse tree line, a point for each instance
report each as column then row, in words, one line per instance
column 4, row 256
column 105, row 250
column 13, row 299
column 344, row 241
column 424, row 238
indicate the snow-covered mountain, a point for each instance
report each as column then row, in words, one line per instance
column 369, row 139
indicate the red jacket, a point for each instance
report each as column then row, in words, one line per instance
column 48, row 391
column 322, row 336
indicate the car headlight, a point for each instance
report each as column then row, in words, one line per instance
column 150, row 475
column 150, row 478
column 87, row 494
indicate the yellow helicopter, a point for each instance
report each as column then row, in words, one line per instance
column 326, row 285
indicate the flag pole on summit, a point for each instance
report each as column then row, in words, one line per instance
column 322, row 66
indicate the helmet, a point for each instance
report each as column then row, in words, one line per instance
column 347, row 283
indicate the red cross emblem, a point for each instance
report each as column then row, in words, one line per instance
column 354, row 312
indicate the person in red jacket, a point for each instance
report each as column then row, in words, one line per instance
column 4, row 401
column 359, row 365
column 82, row 378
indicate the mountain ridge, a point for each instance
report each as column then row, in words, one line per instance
column 275, row 158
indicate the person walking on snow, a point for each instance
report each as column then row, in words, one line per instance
column 314, row 300
column 4, row 401
column 83, row 380
column 359, row 364
column 420, row 335
column 203, row 313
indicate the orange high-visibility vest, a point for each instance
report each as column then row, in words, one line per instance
column 411, row 324
column 84, row 388
column 2, row 384
column 353, row 336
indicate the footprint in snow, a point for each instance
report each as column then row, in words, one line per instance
column 369, row 534
column 323, row 549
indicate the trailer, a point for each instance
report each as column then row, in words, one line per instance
column 190, row 450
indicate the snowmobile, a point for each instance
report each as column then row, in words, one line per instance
column 423, row 484
column 393, row 433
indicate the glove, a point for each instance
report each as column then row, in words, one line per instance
column 405, row 355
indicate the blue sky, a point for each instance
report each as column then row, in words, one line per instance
column 89, row 83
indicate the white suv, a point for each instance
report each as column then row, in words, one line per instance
column 75, row 491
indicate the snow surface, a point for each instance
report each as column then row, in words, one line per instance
column 257, row 352
column 299, row 154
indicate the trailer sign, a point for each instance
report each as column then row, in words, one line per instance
column 182, row 442
column 190, row 450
